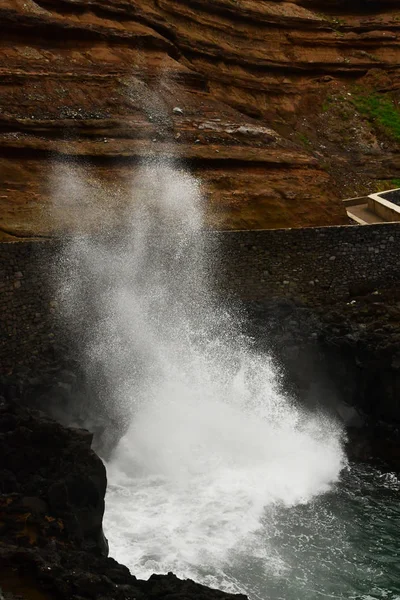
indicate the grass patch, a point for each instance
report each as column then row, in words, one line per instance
column 304, row 139
column 381, row 111
column 383, row 185
column 332, row 102
column 327, row 103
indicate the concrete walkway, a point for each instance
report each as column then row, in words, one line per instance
column 375, row 208
column 361, row 212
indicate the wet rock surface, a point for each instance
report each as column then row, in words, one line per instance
column 343, row 358
column 49, row 470
column 51, row 507
column 58, row 386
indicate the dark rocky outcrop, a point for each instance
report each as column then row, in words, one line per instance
column 59, row 388
column 52, row 488
column 345, row 358
column 50, row 473
column 342, row 357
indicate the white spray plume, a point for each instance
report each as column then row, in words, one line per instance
column 211, row 441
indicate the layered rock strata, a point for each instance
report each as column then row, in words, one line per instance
column 235, row 89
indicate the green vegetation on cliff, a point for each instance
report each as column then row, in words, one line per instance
column 383, row 111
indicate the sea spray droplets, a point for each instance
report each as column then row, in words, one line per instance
column 210, row 439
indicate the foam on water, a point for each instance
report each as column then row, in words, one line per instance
column 211, row 443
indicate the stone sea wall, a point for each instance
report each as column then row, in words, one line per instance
column 311, row 266
column 27, row 305
column 325, row 264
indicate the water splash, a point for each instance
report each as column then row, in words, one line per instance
column 210, row 441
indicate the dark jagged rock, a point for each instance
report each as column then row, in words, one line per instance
column 60, row 389
column 52, row 488
column 50, row 474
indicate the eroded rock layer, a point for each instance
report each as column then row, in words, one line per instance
column 258, row 98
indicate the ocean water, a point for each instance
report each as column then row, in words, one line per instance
column 341, row 544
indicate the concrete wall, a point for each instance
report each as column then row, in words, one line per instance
column 319, row 265
column 383, row 208
column 355, row 201
column 311, row 265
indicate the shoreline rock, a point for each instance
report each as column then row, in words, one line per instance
column 52, row 545
column 51, row 476
column 344, row 358
column 53, row 484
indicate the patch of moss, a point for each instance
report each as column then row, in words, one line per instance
column 304, row 139
column 380, row 110
column 365, row 54
column 383, row 185
column 333, row 21
column 327, row 103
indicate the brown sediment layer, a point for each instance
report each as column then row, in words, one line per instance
column 264, row 90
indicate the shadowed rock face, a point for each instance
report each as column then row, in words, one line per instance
column 52, row 479
column 343, row 357
column 234, row 87
column 52, row 488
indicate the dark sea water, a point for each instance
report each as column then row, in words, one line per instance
column 344, row 544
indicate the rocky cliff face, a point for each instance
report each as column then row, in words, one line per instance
column 268, row 102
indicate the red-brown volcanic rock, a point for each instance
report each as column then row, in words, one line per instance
column 99, row 80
